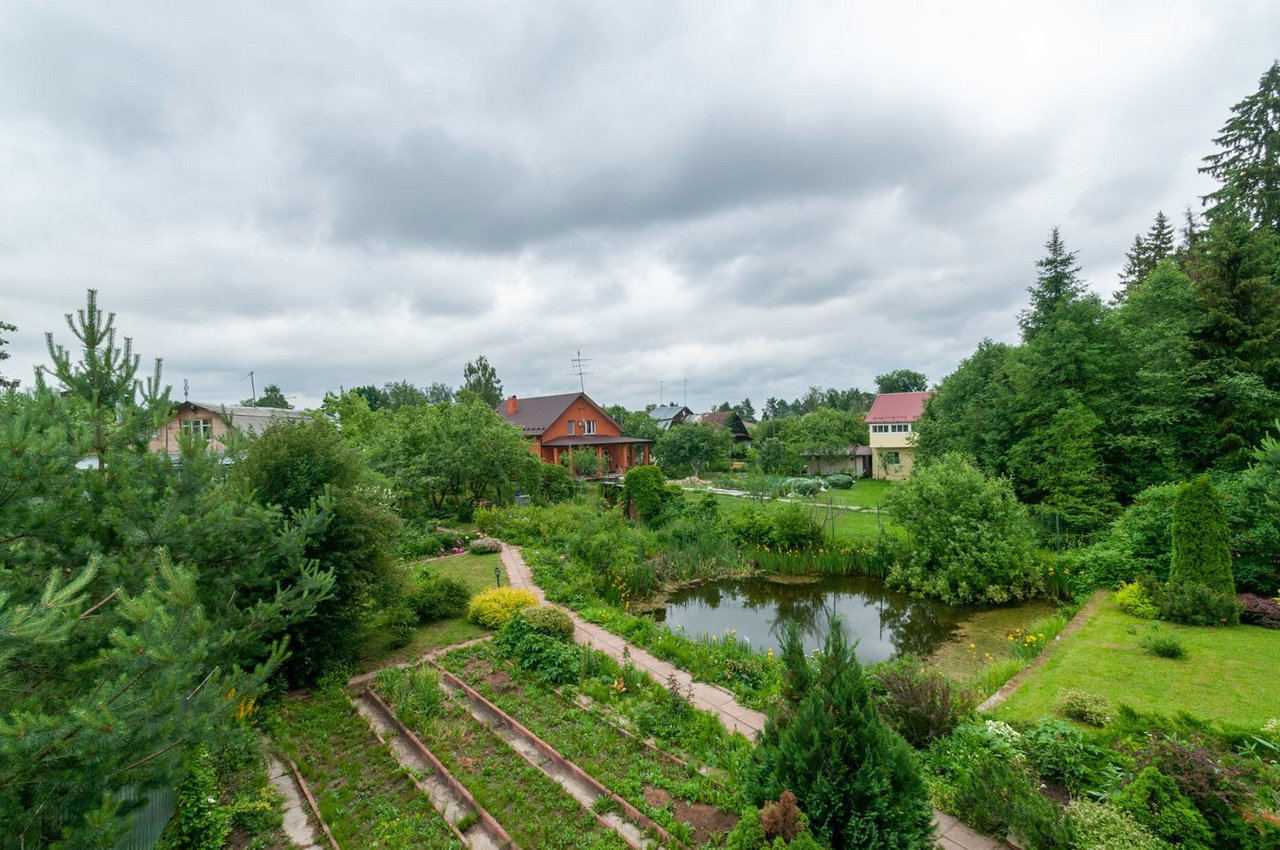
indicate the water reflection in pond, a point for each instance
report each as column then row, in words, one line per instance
column 885, row 623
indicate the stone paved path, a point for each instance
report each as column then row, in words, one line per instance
column 952, row 834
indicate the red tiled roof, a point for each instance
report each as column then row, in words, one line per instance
column 897, row 407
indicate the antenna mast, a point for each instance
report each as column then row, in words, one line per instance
column 253, row 393
column 577, row 369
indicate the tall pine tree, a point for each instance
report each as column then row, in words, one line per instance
column 1145, row 255
column 1057, row 284
column 1248, row 164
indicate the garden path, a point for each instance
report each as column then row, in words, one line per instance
column 952, row 834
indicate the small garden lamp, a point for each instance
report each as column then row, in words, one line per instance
column 497, row 574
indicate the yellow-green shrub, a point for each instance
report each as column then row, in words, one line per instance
column 1133, row 599
column 494, row 607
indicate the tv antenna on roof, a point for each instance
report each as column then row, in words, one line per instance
column 577, row 369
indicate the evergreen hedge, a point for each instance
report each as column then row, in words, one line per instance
column 1201, row 539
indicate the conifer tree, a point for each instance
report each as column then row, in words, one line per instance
column 1248, row 164
column 1057, row 284
column 1201, row 539
column 854, row 777
column 1146, row 253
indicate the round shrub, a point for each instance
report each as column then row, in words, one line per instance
column 495, row 606
column 484, row 546
column 548, row 620
column 840, row 481
column 437, row 597
column 1154, row 801
column 1101, row 827
column 1083, row 706
column 549, row 657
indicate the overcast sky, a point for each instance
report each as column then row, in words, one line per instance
column 756, row 197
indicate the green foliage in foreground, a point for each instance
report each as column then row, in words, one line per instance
column 856, row 778
column 970, row 538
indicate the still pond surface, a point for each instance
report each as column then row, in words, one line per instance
column 884, row 622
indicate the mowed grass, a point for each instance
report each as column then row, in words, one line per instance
column 850, row 526
column 865, row 493
column 476, row 571
column 1228, row 674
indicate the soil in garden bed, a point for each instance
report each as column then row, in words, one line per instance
column 529, row 804
column 621, row 762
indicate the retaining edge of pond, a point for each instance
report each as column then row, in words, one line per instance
column 1016, row 681
column 553, row 755
column 486, row 820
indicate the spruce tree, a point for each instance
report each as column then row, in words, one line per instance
column 855, row 778
column 1201, row 539
column 1147, row 253
column 1057, row 285
column 1248, row 164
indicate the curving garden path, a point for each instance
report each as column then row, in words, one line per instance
column 952, row 834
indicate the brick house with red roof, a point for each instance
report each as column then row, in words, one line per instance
column 554, row 425
column 891, row 420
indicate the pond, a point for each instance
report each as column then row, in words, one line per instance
column 884, row 622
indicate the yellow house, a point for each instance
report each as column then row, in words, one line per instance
column 891, row 420
column 211, row 422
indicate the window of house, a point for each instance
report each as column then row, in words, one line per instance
column 590, row 427
column 900, row 428
column 890, row 458
column 201, row 427
column 879, row 429
column 570, row 425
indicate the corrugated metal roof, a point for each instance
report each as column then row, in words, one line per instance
column 253, row 420
column 669, row 415
column 897, row 407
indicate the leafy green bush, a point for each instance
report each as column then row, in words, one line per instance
column 971, row 538
column 199, row 822
column 840, row 482
column 548, row 656
column 1083, row 706
column 1059, row 752
column 1101, row 827
column 548, row 620
column 495, row 606
column 435, row 597
column 997, row 797
column 402, row 620
column 484, row 546
column 752, row 527
column 917, row 701
column 1163, row 644
column 415, row 542
column 1154, row 801
column 643, row 488
column 794, row 527
column 1132, row 598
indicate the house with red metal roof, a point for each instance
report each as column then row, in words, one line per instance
column 891, row 420
column 556, row 425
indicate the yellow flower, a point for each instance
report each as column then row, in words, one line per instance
column 973, row 646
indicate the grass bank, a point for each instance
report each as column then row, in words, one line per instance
column 1227, row 674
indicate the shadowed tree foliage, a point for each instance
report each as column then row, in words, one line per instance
column 902, row 381
column 480, row 378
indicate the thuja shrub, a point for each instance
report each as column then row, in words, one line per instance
column 918, row 701
column 1155, row 801
column 495, row 606
column 643, row 488
column 1201, row 539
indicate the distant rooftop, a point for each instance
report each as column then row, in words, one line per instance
column 897, row 407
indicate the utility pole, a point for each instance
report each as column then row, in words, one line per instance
column 686, row 393
column 253, row 392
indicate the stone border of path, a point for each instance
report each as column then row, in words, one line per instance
column 952, row 834
column 1077, row 622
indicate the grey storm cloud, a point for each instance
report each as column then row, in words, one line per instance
column 754, row 197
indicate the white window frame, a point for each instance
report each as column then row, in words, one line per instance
column 589, row 427
column 202, row 427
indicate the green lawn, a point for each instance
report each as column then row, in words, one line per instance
column 852, row 526
column 865, row 493
column 477, row 572
column 1228, row 673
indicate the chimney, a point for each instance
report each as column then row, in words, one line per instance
column 512, row 406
